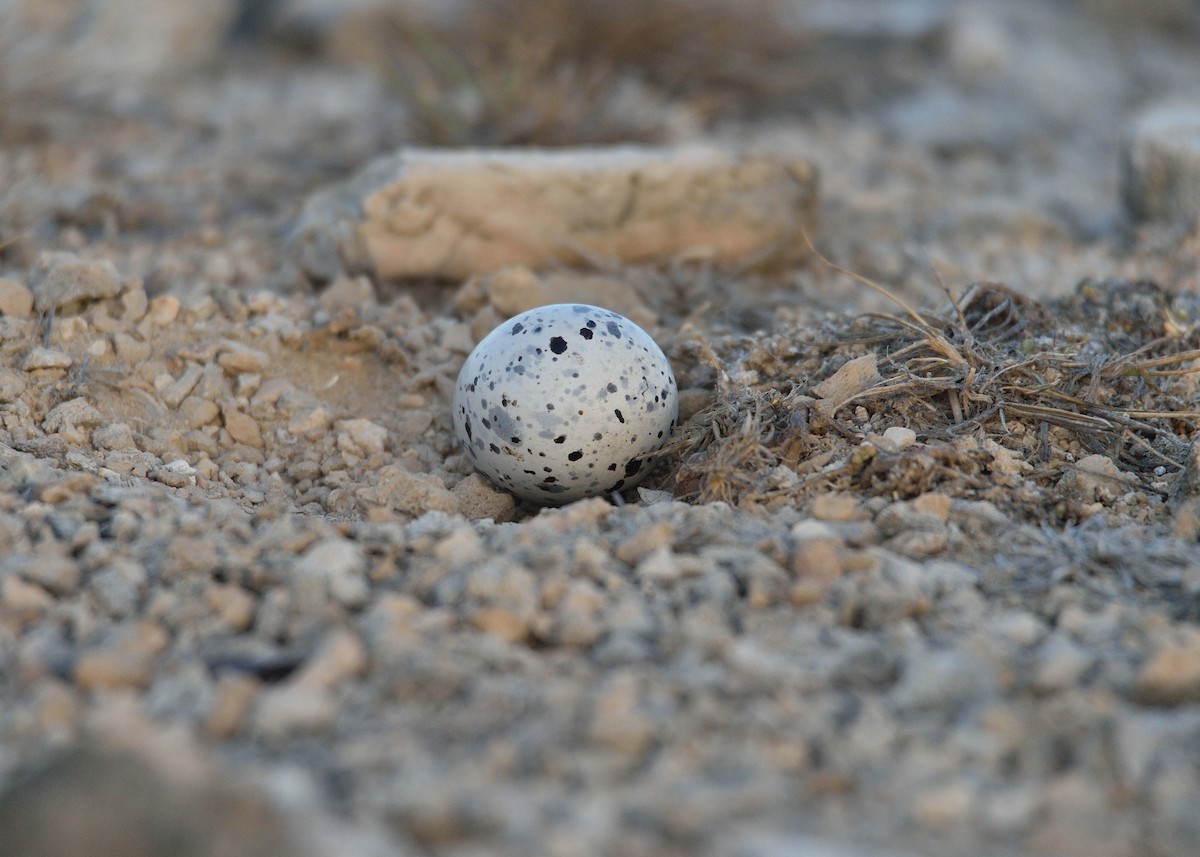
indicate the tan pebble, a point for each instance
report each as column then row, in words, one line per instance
column 644, row 541
column 360, row 437
column 65, row 283
column 899, row 437
column 127, row 663
column 617, row 723
column 340, row 656
column 233, row 604
column 411, row 493
column 817, row 559
column 174, row 391
column 53, row 570
column 134, row 302
column 343, row 293
column 163, row 310
column 242, row 427
column 40, row 358
column 176, row 474
column 234, row 695
column 78, row 413
column 195, row 412
column 412, row 425
column 502, row 623
column 837, row 507
column 484, row 322
column 461, row 547
column 242, row 358
column 659, row 567
column 1186, row 522
column 1171, row 676
column 1095, row 479
column 458, row 339
column 12, row 385
column 934, row 503
column 26, row 600
column 248, row 383
column 130, row 348
column 943, row 806
column 57, row 709
column 316, row 419
column 513, row 290
column 15, row 299
column 479, row 499
column 852, row 378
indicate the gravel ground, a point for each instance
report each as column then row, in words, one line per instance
column 253, row 600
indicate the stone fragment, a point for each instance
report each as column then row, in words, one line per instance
column 12, row 385
column 176, row 474
column 817, row 555
column 1096, row 478
column 235, row 694
column 939, row 681
column 1161, row 167
column 15, row 299
column 514, row 290
column 233, row 604
column 360, row 437
column 64, row 283
column 24, row 599
column 617, row 722
column 293, row 709
column 134, row 301
column 852, row 378
column 478, row 499
column 40, row 358
column 502, row 623
column 131, row 349
column 163, row 310
column 313, row 419
column 114, row 436
column 195, row 412
column 236, row 357
column 126, row 662
column 352, row 293
column 1171, row 676
column 242, row 427
column 99, row 796
column 340, row 656
column 899, row 437
column 410, row 493
column 179, row 389
column 77, row 413
column 48, row 568
column 453, row 214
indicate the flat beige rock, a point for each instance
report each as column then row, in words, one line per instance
column 453, row 214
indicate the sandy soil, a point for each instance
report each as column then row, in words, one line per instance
column 918, row 574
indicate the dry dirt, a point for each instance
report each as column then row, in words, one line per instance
column 918, row 574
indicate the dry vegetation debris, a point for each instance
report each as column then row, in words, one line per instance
column 1006, row 394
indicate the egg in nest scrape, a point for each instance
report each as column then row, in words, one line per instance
column 563, row 402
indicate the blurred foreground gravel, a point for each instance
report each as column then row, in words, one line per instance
column 253, row 601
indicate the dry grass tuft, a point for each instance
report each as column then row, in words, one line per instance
column 992, row 378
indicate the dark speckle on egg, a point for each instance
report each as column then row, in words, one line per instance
column 552, row 384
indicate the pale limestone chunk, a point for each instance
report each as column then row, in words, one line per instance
column 458, row 213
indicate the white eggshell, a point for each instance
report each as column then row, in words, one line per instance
column 559, row 402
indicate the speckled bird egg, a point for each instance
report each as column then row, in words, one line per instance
column 560, row 402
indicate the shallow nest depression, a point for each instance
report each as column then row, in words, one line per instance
column 1007, row 397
